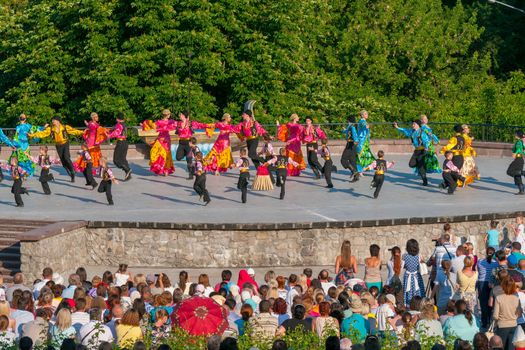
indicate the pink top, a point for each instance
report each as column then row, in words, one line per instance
column 294, row 137
column 266, row 150
column 90, row 135
column 323, row 152
column 185, row 131
column 164, row 127
column 116, row 132
column 312, row 134
column 248, row 128
column 374, row 165
column 223, row 140
column 452, row 167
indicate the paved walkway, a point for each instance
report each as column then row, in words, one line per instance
column 172, row 199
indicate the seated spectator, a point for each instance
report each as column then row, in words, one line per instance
column 38, row 329
column 7, row 337
column 128, row 329
column 428, row 324
column 264, row 325
column 94, row 333
column 462, row 325
column 62, row 329
column 297, row 321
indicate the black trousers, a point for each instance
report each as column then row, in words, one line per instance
column 88, row 174
column 281, row 181
column 515, row 170
column 349, row 157
column 313, row 162
column 418, row 161
column 252, row 151
column 242, row 185
column 377, row 183
column 44, row 178
column 184, row 150
column 506, row 335
column 327, row 171
column 65, row 158
column 486, row 310
column 451, row 180
column 120, row 155
column 17, row 190
column 105, row 186
column 458, row 161
column 200, row 187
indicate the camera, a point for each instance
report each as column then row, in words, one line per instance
column 437, row 242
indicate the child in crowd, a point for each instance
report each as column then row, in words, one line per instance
column 380, row 165
column 122, row 276
column 451, row 174
column 200, row 179
column 45, row 162
column 281, row 164
column 85, row 158
column 107, row 180
column 328, row 166
column 243, row 164
column 385, row 314
column 492, row 236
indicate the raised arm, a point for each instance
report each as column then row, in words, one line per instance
column 116, row 131
column 6, row 140
column 41, row 134
column 406, row 132
column 451, row 144
column 73, row 131
column 260, row 129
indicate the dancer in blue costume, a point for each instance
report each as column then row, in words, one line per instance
column 431, row 160
column 421, row 142
column 23, row 152
column 4, row 139
column 364, row 154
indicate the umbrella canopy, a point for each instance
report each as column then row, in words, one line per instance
column 201, row 316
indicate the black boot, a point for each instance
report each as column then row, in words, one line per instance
column 425, row 181
column 521, row 190
column 316, row 172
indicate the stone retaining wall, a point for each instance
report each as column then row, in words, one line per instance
column 178, row 246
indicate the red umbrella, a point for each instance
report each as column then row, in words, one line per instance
column 201, row 316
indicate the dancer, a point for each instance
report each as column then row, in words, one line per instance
column 185, row 129
column 17, row 174
column 380, row 165
column 220, row 158
column 45, row 162
column 291, row 133
column 311, row 135
column 515, row 169
column 456, row 145
column 328, row 165
column 161, row 160
column 4, row 139
column 194, row 149
column 200, row 179
column 432, row 165
column 86, row 164
column 349, row 156
column 244, row 173
column 120, row 154
column 23, row 151
column 94, row 135
column 250, row 131
column 282, row 164
column 469, row 170
column 451, row 173
column 267, row 154
column 421, row 142
column 364, row 154
column 60, row 135
column 107, row 180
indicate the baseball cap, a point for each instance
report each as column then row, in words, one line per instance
column 391, row 298
column 251, row 271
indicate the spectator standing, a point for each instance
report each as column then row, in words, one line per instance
column 373, row 269
column 412, row 281
column 345, row 264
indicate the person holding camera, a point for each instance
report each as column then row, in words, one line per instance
column 444, row 250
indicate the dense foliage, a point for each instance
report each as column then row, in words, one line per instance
column 326, row 58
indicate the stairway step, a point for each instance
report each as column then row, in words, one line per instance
column 9, row 255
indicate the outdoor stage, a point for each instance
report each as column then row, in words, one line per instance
column 150, row 198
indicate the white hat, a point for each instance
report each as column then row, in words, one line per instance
column 245, row 295
column 391, row 298
column 57, row 278
column 200, row 289
column 134, row 295
column 251, row 271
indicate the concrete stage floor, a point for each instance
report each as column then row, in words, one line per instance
column 171, row 199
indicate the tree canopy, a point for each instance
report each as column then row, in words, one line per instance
column 452, row 60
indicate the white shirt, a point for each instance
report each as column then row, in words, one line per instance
column 121, row 279
column 520, row 237
column 93, row 333
column 383, row 313
column 37, row 287
column 457, row 264
column 326, row 286
column 78, row 319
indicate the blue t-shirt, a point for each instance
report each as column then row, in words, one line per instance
column 355, row 325
column 493, row 238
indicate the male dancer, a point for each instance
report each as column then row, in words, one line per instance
column 17, row 174
column 349, row 156
column 107, row 180
column 421, row 142
column 120, row 132
column 244, row 174
column 328, row 165
column 44, row 161
column 200, row 179
column 185, row 129
column 456, row 144
column 380, row 165
column 451, row 173
column 311, row 135
column 281, row 164
column 251, row 130
column 87, row 161
column 60, row 135
column 516, row 167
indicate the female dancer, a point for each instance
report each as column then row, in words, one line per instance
column 94, row 135
column 161, row 161
column 7, row 141
column 23, row 151
column 311, row 135
column 220, row 157
column 516, row 167
column 432, row 165
column 291, row 133
column 469, row 171
column 364, row 154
